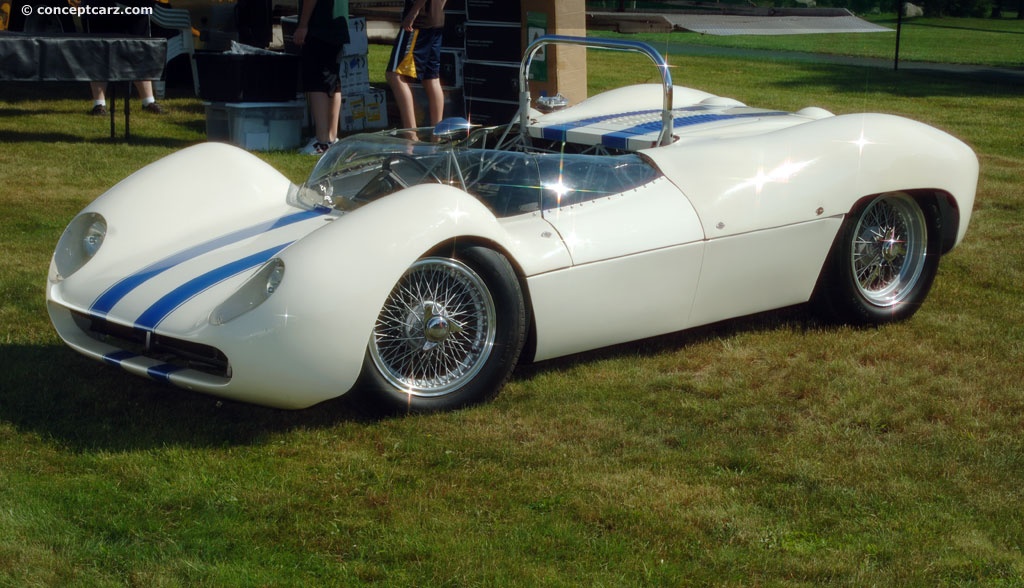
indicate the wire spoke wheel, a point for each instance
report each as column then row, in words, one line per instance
column 890, row 244
column 436, row 329
column 883, row 261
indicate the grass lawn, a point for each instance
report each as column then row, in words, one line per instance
column 977, row 41
column 769, row 450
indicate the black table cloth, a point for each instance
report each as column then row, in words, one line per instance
column 82, row 58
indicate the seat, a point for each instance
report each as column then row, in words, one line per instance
column 177, row 19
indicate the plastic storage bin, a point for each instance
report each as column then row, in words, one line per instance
column 256, row 126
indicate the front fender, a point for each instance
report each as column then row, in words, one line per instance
column 306, row 343
column 176, row 203
column 182, row 199
column 221, row 180
column 374, row 245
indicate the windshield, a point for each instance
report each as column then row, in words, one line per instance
column 362, row 168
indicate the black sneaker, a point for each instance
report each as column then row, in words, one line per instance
column 154, row 107
column 98, row 110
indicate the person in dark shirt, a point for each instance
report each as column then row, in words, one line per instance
column 121, row 24
column 321, row 33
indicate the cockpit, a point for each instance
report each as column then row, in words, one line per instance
column 362, row 168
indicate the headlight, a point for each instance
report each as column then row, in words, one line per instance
column 93, row 238
column 252, row 293
column 79, row 243
column 274, row 277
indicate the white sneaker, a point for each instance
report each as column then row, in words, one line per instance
column 309, row 148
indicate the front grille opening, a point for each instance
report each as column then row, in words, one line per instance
column 186, row 354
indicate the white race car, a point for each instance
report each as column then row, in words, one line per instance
column 418, row 273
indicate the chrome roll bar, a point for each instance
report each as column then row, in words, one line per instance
column 664, row 138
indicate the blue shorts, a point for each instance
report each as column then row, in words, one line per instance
column 417, row 54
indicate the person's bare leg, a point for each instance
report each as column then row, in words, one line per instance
column 99, row 98
column 99, row 91
column 319, row 107
column 145, row 89
column 435, row 98
column 326, row 112
column 403, row 99
column 333, row 116
column 149, row 103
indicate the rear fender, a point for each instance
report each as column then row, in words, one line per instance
column 817, row 169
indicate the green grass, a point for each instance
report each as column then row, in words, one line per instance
column 977, row 41
column 764, row 451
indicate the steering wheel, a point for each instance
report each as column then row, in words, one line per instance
column 389, row 180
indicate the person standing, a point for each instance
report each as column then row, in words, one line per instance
column 321, row 34
column 416, row 55
column 121, row 24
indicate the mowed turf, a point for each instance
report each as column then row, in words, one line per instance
column 769, row 450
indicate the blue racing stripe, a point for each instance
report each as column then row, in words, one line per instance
column 559, row 132
column 182, row 294
column 115, row 358
column 122, row 288
column 619, row 139
column 162, row 372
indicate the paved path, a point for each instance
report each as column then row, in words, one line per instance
column 1004, row 75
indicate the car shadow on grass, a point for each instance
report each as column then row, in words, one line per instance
column 794, row 318
column 9, row 136
column 19, row 112
column 86, row 406
column 911, row 81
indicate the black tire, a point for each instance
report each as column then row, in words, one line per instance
column 448, row 335
column 882, row 263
